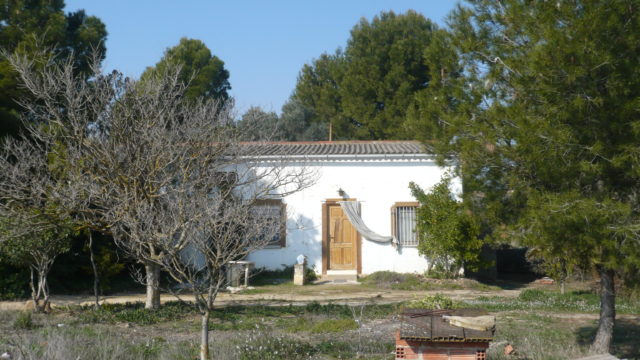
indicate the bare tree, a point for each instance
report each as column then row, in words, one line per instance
column 168, row 179
column 226, row 224
column 32, row 232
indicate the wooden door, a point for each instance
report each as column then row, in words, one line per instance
column 342, row 240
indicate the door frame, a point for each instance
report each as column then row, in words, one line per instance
column 325, row 236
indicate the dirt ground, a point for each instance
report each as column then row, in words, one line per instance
column 350, row 294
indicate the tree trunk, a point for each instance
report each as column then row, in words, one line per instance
column 153, row 286
column 35, row 295
column 96, row 277
column 604, row 336
column 39, row 290
column 45, row 291
column 562, row 290
column 204, row 336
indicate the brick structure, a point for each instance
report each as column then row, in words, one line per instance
column 427, row 335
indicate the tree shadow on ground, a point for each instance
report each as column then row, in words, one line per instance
column 625, row 337
column 507, row 281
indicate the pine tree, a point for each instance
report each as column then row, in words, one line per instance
column 539, row 103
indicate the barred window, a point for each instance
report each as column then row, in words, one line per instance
column 274, row 211
column 403, row 223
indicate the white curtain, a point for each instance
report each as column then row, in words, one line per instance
column 350, row 208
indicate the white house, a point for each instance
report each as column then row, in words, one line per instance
column 375, row 177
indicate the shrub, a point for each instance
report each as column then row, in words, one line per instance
column 532, row 295
column 448, row 234
column 310, row 274
column 394, row 280
column 435, row 302
column 23, row 321
column 14, row 281
column 439, row 272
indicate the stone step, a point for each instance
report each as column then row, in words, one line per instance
column 338, row 279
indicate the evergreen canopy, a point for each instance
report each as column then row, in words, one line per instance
column 366, row 91
column 540, row 104
column 29, row 25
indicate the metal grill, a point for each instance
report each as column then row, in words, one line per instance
column 481, row 355
column 406, row 225
column 270, row 212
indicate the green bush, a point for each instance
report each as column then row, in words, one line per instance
column 434, row 302
column 533, row 295
column 72, row 272
column 439, row 272
column 14, row 282
column 310, row 274
column 24, row 321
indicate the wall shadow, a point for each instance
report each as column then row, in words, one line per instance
column 626, row 337
column 305, row 232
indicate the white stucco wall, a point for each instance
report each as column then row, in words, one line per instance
column 377, row 185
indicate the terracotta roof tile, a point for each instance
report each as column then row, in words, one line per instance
column 334, row 148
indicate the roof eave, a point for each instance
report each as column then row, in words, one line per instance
column 343, row 157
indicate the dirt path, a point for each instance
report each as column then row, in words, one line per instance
column 339, row 294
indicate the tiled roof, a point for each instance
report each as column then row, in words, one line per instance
column 314, row 148
column 429, row 325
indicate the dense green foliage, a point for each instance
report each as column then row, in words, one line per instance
column 204, row 73
column 35, row 247
column 257, row 124
column 366, row 91
column 447, row 234
column 296, row 123
column 539, row 104
column 25, row 26
column 14, row 282
column 72, row 273
column 547, row 124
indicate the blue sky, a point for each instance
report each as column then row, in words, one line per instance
column 264, row 43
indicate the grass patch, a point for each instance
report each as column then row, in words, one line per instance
column 100, row 344
column 333, row 326
column 259, row 345
column 24, row 321
column 536, row 337
column 133, row 313
column 394, row 280
column 535, row 299
column 337, row 349
column 416, row 282
column 313, row 308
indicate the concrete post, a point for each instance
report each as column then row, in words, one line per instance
column 298, row 273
